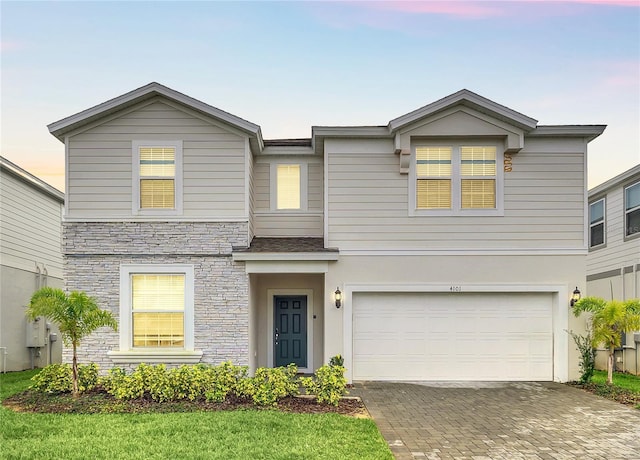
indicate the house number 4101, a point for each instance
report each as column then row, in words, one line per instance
column 455, row 288
column 508, row 165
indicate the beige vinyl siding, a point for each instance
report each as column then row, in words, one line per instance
column 252, row 195
column 617, row 252
column 368, row 202
column 286, row 223
column 30, row 228
column 100, row 162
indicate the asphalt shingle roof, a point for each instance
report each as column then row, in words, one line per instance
column 304, row 244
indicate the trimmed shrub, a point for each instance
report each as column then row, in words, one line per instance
column 57, row 378
column 272, row 384
column 224, row 379
column 328, row 384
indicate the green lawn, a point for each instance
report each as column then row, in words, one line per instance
column 626, row 381
column 210, row 435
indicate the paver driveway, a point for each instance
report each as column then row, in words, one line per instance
column 523, row 420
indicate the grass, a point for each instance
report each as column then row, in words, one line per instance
column 625, row 388
column 197, row 435
column 626, row 381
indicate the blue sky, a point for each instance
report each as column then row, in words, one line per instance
column 289, row 65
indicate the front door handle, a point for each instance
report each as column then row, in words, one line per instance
column 277, row 335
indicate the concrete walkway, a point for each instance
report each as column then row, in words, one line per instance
column 480, row 421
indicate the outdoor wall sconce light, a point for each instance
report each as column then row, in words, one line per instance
column 576, row 296
column 338, row 297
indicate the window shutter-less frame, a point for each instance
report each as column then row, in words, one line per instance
column 157, row 177
column 433, row 175
column 288, row 186
column 157, row 307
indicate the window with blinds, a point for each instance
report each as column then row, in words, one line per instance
column 288, row 187
column 456, row 177
column 157, row 177
column 632, row 209
column 157, row 308
column 433, row 174
column 478, row 177
column 596, row 223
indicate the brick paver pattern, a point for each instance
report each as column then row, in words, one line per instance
column 495, row 420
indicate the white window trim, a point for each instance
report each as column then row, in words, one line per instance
column 135, row 189
column 304, row 185
column 628, row 236
column 456, row 210
column 127, row 353
column 604, row 223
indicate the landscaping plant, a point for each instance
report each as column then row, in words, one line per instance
column 587, row 355
column 58, row 378
column 329, row 383
column 607, row 322
column 76, row 314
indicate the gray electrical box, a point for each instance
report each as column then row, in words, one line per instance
column 53, row 337
column 636, row 337
column 36, row 333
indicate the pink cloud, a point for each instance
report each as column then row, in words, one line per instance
column 481, row 9
column 632, row 3
column 466, row 9
column 9, row 46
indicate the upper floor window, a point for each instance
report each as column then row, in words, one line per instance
column 288, row 186
column 157, row 176
column 457, row 178
column 596, row 223
column 632, row 209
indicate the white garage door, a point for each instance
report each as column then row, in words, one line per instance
column 438, row 336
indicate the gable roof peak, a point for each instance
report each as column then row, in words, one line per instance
column 61, row 127
column 470, row 99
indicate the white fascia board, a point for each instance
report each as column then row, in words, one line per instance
column 285, row 256
column 286, row 266
column 130, row 218
column 616, row 181
column 350, row 131
column 287, row 151
column 31, row 180
column 60, row 127
column 471, row 99
column 466, row 252
column 589, row 132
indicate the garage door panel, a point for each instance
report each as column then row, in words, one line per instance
column 435, row 336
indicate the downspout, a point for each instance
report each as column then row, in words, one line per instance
column 4, row 359
column 38, row 274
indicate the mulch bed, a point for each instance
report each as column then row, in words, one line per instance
column 611, row 392
column 99, row 402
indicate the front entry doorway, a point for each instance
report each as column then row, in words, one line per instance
column 290, row 330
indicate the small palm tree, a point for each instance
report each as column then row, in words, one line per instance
column 609, row 319
column 77, row 315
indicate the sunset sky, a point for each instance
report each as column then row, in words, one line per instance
column 289, row 65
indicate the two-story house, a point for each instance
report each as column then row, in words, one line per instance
column 613, row 262
column 442, row 245
column 30, row 258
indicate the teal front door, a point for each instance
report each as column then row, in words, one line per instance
column 290, row 330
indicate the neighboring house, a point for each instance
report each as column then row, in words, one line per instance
column 613, row 263
column 452, row 237
column 30, row 258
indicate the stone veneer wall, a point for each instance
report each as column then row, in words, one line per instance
column 94, row 252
